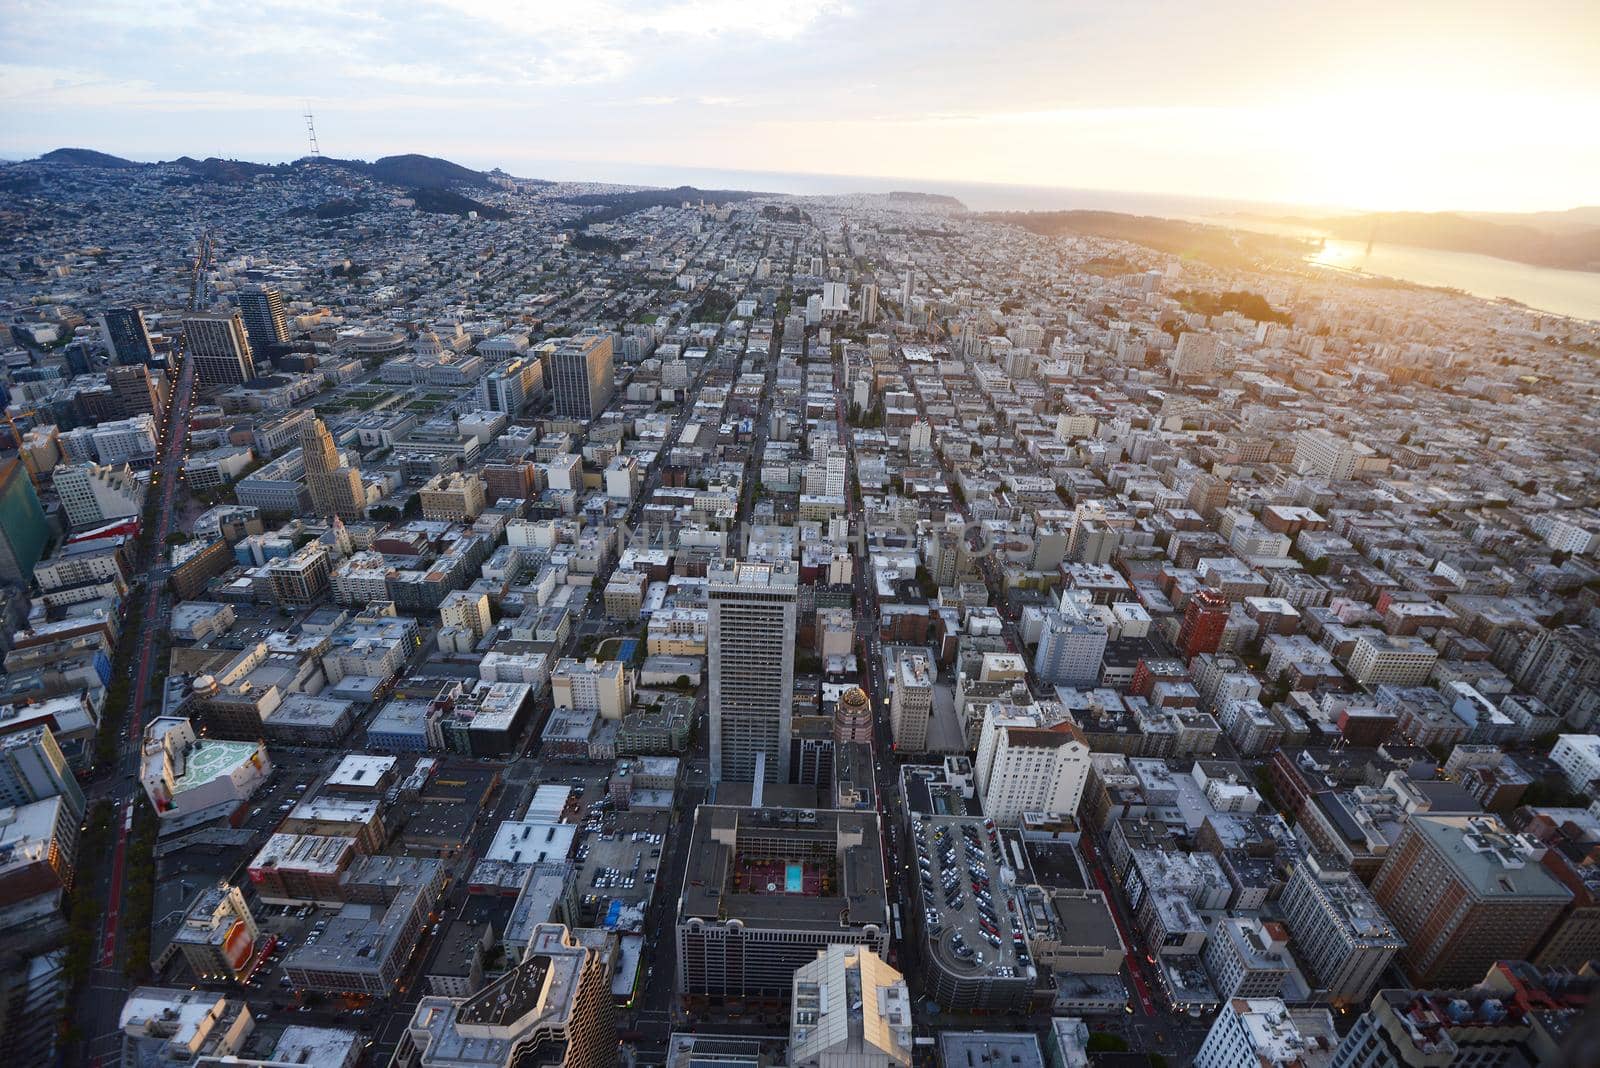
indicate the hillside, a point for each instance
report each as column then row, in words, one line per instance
column 444, row 202
column 1577, row 250
column 1211, row 244
column 231, row 171
column 930, row 200
column 88, row 157
column 615, row 205
column 414, row 171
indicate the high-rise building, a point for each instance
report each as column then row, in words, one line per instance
column 1208, row 494
column 453, row 496
column 33, row 768
column 911, row 702
column 38, row 857
column 220, row 347
column 1463, row 893
column 1561, row 667
column 869, row 303
column 23, row 530
column 581, row 374
column 1071, row 646
column 1338, row 929
column 162, row 1025
column 849, row 1008
column 751, row 646
column 1247, row 957
column 134, row 390
column 601, row 686
column 510, row 386
column 92, row 494
column 336, row 489
column 1031, row 758
column 553, row 1008
column 126, row 336
column 265, row 320
column 1321, row 452
column 1195, row 354
column 1204, row 619
column 1264, row 1033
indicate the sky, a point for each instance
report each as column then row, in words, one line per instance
column 1398, row 105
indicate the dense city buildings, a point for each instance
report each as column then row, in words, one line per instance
column 594, row 625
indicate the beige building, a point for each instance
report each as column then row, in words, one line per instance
column 336, row 489
column 911, row 703
column 625, row 595
column 850, row 1010
column 453, row 496
column 1399, row 660
column 468, row 611
column 602, row 686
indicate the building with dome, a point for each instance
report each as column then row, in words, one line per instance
column 852, row 717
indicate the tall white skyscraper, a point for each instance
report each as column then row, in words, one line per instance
column 1030, row 759
column 751, row 644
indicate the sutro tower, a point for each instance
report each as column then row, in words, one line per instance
column 311, row 134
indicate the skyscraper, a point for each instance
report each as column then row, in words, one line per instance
column 125, row 335
column 1204, row 619
column 218, row 344
column 1072, row 645
column 134, row 390
column 751, row 642
column 1208, row 494
column 1464, row 893
column 580, row 376
column 23, row 531
column 335, row 489
column 1030, row 759
column 911, row 703
column 1338, row 930
column 93, row 493
column 264, row 318
column 1561, row 667
column 869, row 303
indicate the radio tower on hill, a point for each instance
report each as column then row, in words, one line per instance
column 311, row 134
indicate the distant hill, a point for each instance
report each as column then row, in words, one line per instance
column 1555, row 222
column 444, row 202
column 414, row 171
column 1211, row 244
column 616, row 205
column 1576, row 249
column 88, row 157
column 231, row 171
column 936, row 200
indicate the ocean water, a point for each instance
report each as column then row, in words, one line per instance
column 1570, row 293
